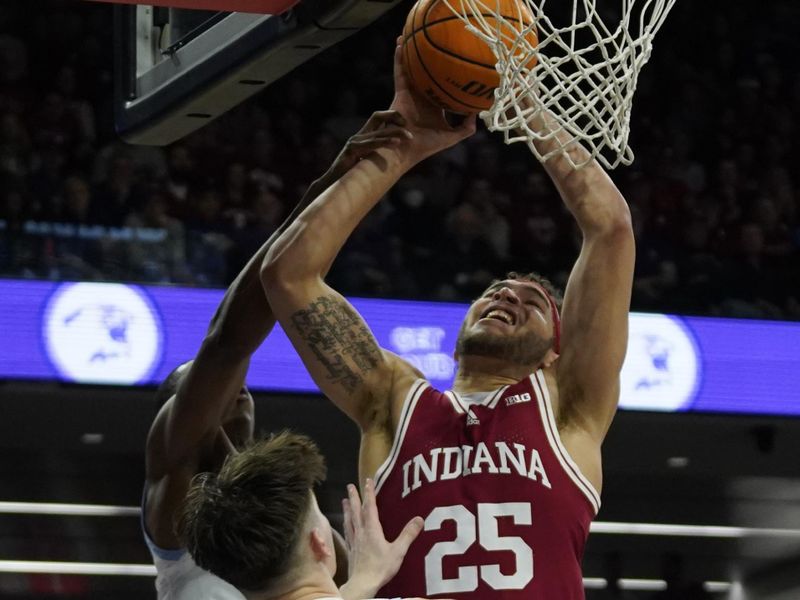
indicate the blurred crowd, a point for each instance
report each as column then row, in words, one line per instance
column 713, row 192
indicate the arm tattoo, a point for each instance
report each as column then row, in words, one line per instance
column 335, row 332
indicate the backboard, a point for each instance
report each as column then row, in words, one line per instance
column 176, row 69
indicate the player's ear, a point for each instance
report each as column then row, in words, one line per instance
column 549, row 359
column 319, row 547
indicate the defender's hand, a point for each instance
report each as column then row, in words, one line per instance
column 427, row 122
column 373, row 559
column 382, row 130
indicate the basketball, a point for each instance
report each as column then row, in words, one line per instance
column 451, row 66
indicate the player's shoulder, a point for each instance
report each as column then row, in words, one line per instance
column 401, row 367
column 161, row 460
column 405, row 377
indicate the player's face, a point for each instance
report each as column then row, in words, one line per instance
column 239, row 419
column 512, row 320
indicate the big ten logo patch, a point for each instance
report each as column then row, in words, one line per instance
column 518, row 398
column 422, row 348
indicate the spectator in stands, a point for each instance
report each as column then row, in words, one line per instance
column 113, row 200
column 466, row 261
column 180, row 175
column 15, row 147
column 208, row 242
column 156, row 251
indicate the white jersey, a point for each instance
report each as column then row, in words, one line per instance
column 179, row 578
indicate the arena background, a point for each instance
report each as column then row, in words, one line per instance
column 713, row 193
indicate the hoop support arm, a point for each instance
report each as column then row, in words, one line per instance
column 266, row 7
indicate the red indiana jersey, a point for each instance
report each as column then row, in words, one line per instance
column 506, row 510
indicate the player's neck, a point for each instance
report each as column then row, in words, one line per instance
column 311, row 584
column 483, row 374
column 305, row 590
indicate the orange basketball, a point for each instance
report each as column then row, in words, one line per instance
column 453, row 67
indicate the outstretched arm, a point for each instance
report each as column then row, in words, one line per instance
column 335, row 344
column 189, row 422
column 598, row 294
column 238, row 327
column 187, row 425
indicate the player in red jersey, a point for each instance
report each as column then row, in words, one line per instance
column 505, row 468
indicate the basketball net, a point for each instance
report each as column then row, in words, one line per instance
column 580, row 78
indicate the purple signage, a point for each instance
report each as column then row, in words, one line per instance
column 127, row 335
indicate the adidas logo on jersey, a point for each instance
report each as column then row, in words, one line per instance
column 472, row 419
column 517, row 398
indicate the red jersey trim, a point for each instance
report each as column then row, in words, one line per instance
column 550, row 428
column 497, row 396
column 414, row 393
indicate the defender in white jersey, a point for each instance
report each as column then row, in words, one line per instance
column 205, row 411
column 179, row 577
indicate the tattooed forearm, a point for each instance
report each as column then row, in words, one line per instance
column 339, row 339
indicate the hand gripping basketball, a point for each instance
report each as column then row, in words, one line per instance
column 431, row 131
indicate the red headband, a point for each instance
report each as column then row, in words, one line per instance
column 556, row 327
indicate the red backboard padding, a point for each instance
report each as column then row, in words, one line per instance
column 267, row 7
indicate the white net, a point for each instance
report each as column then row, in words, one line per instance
column 587, row 64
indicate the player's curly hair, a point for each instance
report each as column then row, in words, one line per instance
column 243, row 523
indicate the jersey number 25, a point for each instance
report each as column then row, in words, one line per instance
column 486, row 533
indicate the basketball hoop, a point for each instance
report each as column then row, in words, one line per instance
column 581, row 76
